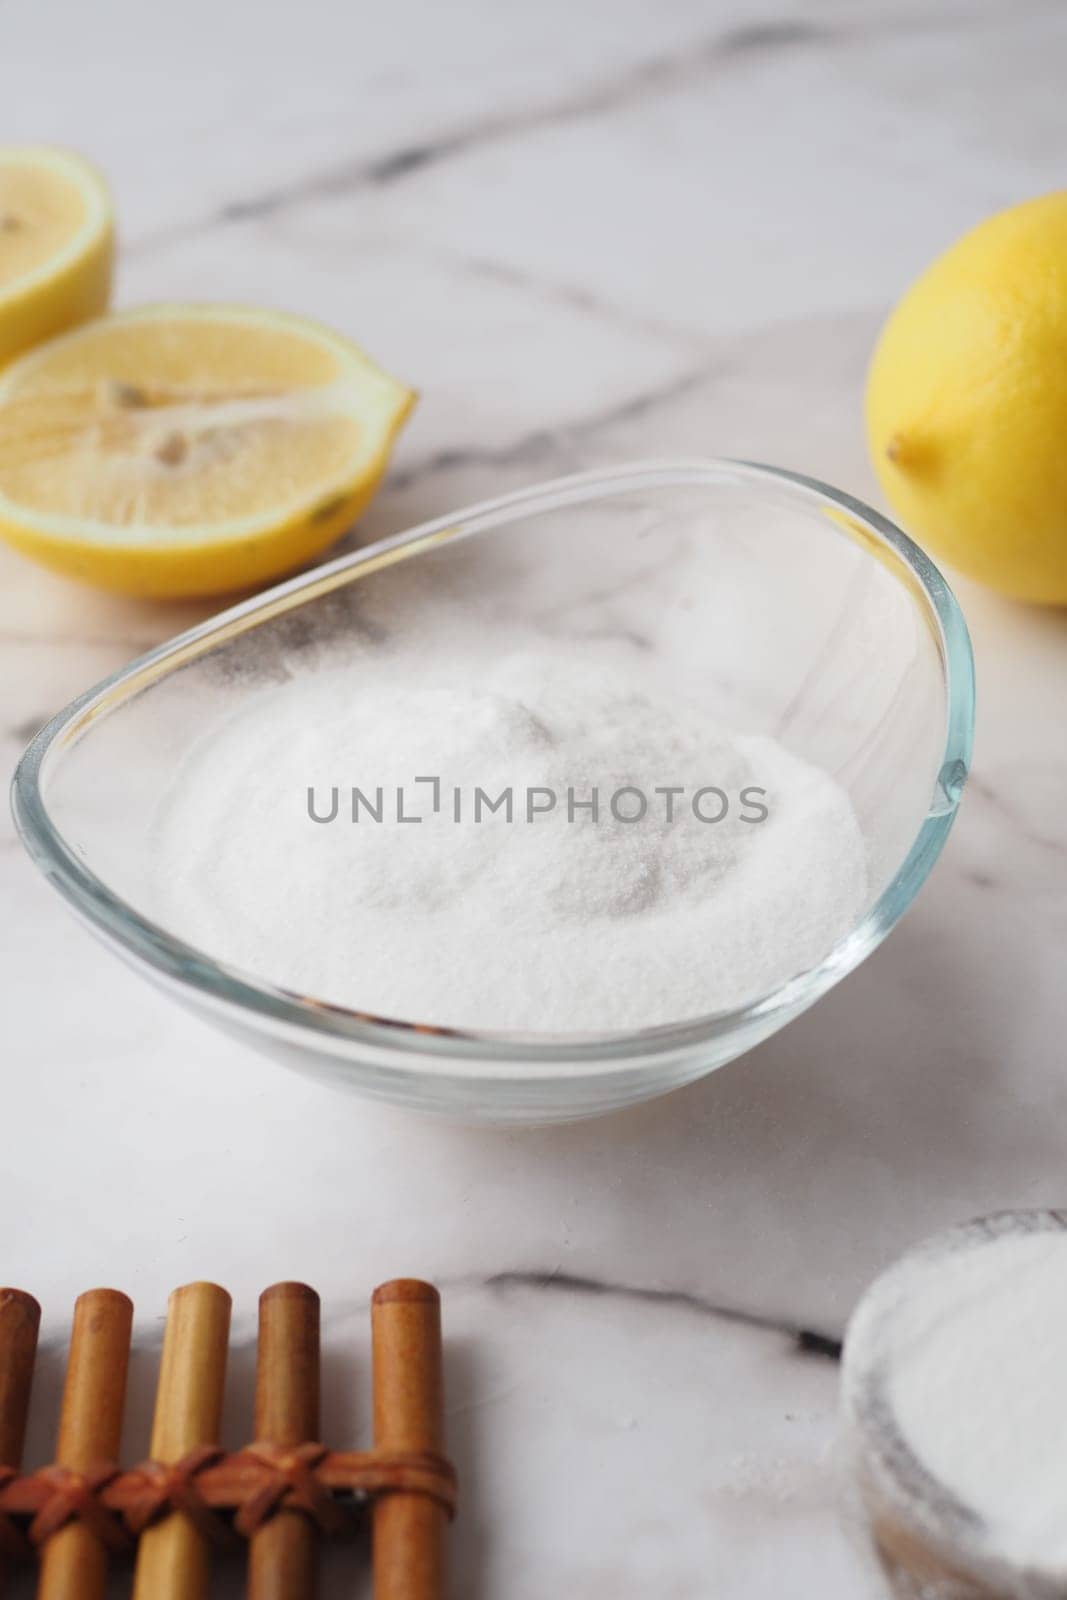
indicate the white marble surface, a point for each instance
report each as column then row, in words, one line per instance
column 588, row 232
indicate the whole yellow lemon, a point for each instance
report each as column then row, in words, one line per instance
column 967, row 403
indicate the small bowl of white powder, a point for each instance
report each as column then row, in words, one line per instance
column 536, row 810
column 954, row 1415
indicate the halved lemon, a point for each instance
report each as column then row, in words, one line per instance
column 56, row 245
column 190, row 449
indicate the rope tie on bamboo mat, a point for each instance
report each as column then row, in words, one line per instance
column 226, row 1497
column 171, row 1486
column 307, row 1478
column 75, row 1497
column 293, row 1486
column 422, row 1472
column 13, row 1542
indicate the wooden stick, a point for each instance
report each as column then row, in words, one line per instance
column 408, row 1529
column 20, row 1318
column 74, row 1560
column 283, row 1555
column 172, row 1557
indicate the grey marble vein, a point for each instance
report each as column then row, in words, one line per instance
column 647, row 79
column 551, row 449
column 1012, row 813
column 654, row 76
column 808, row 1341
column 579, row 297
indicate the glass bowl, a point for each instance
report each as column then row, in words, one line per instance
column 787, row 606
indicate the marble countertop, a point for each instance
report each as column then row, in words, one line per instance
column 588, row 233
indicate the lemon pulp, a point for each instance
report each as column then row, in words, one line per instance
column 56, row 245
column 190, row 449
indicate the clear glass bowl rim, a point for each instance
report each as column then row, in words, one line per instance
column 409, row 1044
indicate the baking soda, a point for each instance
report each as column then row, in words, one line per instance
column 548, row 846
column 967, row 1354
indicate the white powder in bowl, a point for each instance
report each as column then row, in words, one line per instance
column 555, row 920
column 956, row 1379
